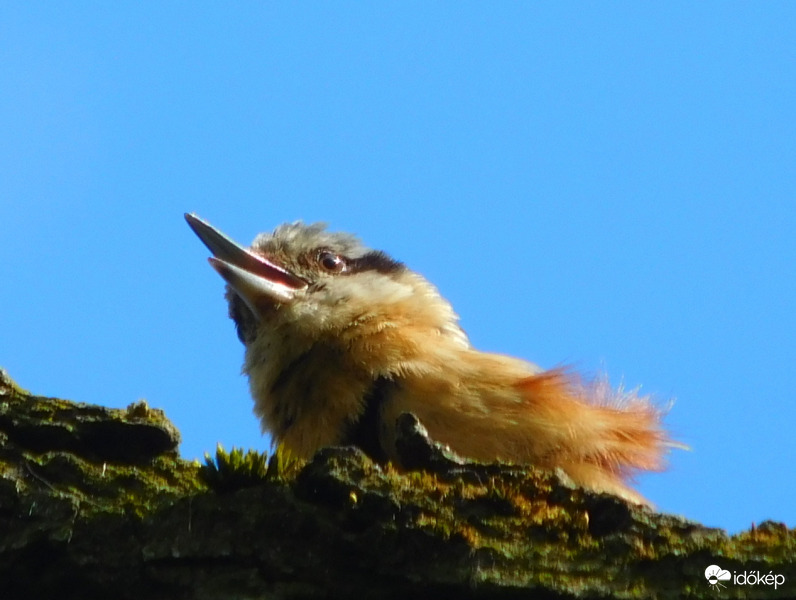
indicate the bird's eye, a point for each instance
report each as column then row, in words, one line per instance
column 332, row 262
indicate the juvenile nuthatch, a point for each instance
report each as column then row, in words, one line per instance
column 341, row 340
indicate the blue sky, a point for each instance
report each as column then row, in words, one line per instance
column 606, row 185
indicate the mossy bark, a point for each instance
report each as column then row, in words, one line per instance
column 96, row 502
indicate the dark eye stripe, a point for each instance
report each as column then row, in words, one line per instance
column 374, row 261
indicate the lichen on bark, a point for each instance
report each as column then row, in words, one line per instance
column 96, row 502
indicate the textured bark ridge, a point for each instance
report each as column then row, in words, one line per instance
column 96, row 503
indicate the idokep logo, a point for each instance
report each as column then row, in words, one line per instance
column 716, row 575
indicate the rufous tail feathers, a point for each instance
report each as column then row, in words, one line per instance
column 599, row 436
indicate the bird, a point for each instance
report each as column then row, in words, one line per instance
column 340, row 340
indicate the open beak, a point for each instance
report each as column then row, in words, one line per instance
column 257, row 280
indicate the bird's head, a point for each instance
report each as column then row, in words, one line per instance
column 306, row 283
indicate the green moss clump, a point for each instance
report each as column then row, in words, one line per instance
column 232, row 470
column 236, row 469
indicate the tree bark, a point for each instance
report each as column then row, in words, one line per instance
column 96, row 503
